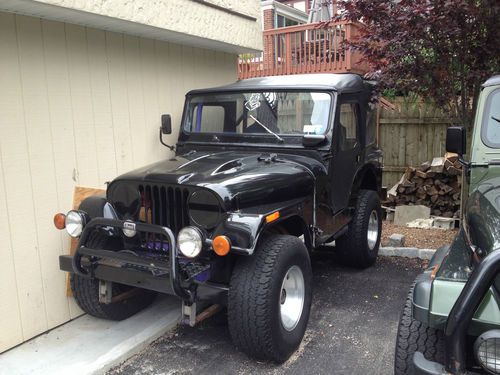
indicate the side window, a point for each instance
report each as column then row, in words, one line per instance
column 371, row 126
column 208, row 118
column 490, row 132
column 348, row 122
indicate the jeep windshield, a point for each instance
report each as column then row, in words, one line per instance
column 277, row 116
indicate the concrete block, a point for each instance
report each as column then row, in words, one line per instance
column 387, row 251
column 405, row 214
column 408, row 252
column 426, row 253
column 443, row 223
column 396, row 240
column 421, row 223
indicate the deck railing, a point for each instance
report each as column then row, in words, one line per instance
column 309, row 48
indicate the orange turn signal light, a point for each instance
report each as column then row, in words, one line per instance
column 221, row 245
column 272, row 217
column 60, row 221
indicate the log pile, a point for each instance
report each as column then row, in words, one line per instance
column 435, row 184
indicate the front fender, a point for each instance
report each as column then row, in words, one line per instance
column 244, row 228
column 97, row 206
column 423, row 287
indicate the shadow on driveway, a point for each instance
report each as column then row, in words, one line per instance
column 352, row 329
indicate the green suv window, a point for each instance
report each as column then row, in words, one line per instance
column 490, row 132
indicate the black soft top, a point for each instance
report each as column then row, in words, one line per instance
column 493, row 81
column 342, row 83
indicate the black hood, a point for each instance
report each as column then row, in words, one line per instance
column 240, row 179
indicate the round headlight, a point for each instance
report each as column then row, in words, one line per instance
column 190, row 241
column 487, row 350
column 74, row 223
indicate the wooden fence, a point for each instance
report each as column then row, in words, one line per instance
column 411, row 134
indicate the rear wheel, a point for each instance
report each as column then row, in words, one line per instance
column 270, row 298
column 126, row 300
column 359, row 246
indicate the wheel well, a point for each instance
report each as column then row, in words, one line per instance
column 293, row 225
column 369, row 181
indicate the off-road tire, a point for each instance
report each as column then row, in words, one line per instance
column 415, row 336
column 353, row 247
column 86, row 293
column 254, row 316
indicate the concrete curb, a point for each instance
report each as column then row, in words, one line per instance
column 406, row 252
column 91, row 346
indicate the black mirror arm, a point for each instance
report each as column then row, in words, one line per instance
column 465, row 163
column 163, row 143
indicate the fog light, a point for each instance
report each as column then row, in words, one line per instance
column 75, row 220
column 190, row 241
column 487, row 351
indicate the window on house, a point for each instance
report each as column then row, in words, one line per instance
column 282, row 21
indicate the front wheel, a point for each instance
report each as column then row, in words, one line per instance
column 270, row 299
column 127, row 300
column 415, row 336
column 359, row 246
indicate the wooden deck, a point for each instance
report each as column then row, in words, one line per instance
column 309, row 48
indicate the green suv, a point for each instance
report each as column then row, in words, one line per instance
column 451, row 320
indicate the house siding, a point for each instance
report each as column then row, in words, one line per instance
column 79, row 106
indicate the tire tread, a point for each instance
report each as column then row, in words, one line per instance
column 249, row 311
column 415, row 336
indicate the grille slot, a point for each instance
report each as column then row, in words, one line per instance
column 165, row 206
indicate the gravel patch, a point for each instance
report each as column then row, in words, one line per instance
column 419, row 238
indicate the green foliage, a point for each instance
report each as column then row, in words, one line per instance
column 441, row 50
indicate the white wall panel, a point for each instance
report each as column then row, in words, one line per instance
column 78, row 107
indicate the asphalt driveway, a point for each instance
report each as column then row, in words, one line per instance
column 352, row 329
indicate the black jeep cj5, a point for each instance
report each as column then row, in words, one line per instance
column 265, row 171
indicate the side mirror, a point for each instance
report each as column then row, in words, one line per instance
column 313, row 139
column 455, row 140
column 166, row 128
column 166, row 124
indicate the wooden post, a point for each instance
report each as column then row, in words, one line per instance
column 288, row 53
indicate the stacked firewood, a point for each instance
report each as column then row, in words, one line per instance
column 435, row 184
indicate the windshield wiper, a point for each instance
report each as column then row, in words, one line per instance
column 496, row 119
column 267, row 129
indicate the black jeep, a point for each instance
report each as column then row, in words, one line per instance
column 265, row 171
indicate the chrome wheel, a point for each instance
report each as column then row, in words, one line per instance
column 292, row 298
column 373, row 231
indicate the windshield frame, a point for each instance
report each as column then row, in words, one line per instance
column 269, row 139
